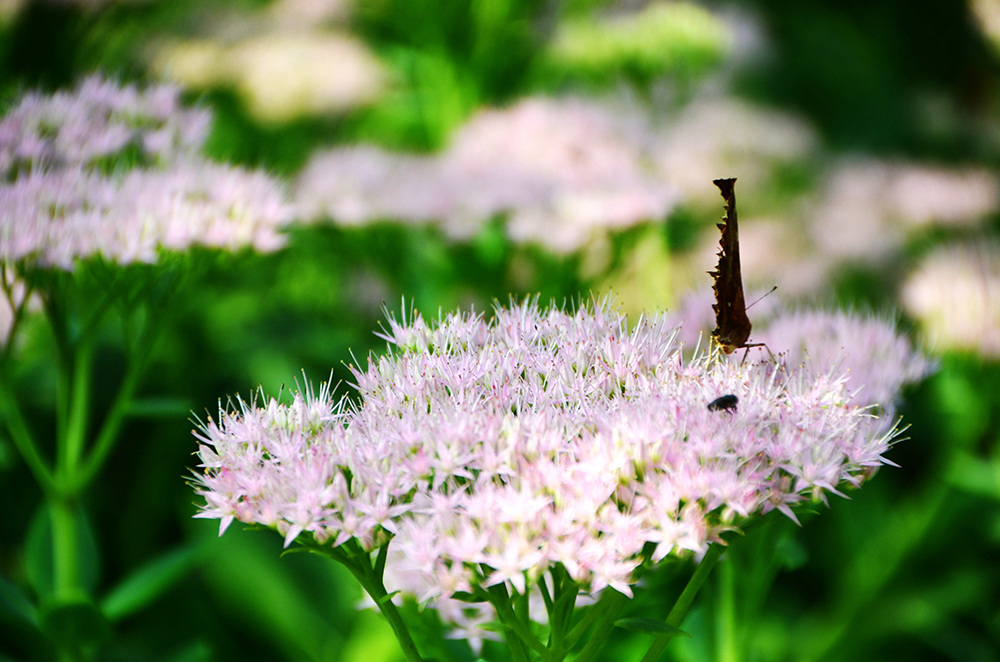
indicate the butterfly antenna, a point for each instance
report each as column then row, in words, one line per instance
column 770, row 291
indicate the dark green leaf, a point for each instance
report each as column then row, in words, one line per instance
column 148, row 583
column 13, row 601
column 75, row 624
column 650, row 626
column 159, row 407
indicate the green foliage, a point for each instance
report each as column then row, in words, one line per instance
column 679, row 40
column 904, row 570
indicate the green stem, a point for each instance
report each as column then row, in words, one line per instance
column 615, row 602
column 684, row 602
column 65, row 555
column 19, row 433
column 108, row 433
column 505, row 612
column 16, row 311
column 359, row 563
column 592, row 614
column 725, row 614
column 59, row 325
column 72, row 445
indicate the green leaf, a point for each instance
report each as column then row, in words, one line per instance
column 148, row 583
column 650, row 626
column 165, row 407
column 198, row 651
column 13, row 601
column 385, row 598
column 493, row 626
column 75, row 623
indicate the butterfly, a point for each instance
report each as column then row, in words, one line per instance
column 732, row 326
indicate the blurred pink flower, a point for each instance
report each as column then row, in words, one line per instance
column 59, row 203
column 876, row 360
column 560, row 170
column 868, row 206
column 99, row 120
column 955, row 294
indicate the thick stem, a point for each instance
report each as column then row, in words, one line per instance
column 65, row 555
column 725, row 614
column 615, row 602
column 79, row 405
column 500, row 600
column 359, row 563
column 684, row 602
column 594, row 613
column 378, row 594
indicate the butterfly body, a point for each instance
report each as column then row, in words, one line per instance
column 732, row 326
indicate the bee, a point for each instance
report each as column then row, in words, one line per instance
column 724, row 403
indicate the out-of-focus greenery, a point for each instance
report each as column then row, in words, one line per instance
column 906, row 569
column 679, row 40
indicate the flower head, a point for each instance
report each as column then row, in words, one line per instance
column 113, row 171
column 955, row 294
column 560, row 170
column 486, row 451
column 98, row 120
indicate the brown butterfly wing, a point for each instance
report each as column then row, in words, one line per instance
column 732, row 326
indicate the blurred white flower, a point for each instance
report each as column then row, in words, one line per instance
column 955, row 294
column 281, row 75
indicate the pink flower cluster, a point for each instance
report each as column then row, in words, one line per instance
column 560, row 170
column 487, row 450
column 69, row 194
column 875, row 360
column 98, row 120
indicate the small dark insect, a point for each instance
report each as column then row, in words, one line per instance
column 724, row 403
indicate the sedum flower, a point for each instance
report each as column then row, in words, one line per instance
column 955, row 295
column 69, row 192
column 559, row 170
column 55, row 218
column 876, row 361
column 98, row 120
column 487, row 451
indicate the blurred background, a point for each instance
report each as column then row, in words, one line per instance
column 452, row 153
